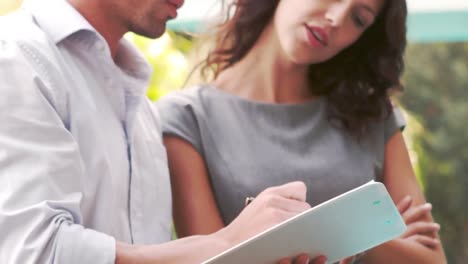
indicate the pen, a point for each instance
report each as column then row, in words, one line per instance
column 248, row 200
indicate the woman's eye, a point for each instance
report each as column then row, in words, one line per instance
column 358, row 21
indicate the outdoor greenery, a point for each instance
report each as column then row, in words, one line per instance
column 436, row 95
column 168, row 56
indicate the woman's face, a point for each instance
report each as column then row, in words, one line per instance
column 314, row 31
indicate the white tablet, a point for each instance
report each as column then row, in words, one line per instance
column 343, row 226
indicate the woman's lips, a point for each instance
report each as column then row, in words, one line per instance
column 317, row 36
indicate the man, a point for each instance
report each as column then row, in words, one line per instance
column 83, row 172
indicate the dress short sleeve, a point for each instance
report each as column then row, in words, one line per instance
column 395, row 122
column 179, row 117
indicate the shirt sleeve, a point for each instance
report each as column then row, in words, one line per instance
column 394, row 122
column 180, row 117
column 41, row 173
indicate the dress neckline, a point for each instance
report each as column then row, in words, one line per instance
column 212, row 88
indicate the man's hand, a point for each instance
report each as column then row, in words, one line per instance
column 270, row 207
column 304, row 259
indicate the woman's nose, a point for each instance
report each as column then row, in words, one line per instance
column 336, row 13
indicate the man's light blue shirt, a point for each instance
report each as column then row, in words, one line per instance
column 81, row 158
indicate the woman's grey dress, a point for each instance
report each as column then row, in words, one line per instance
column 249, row 146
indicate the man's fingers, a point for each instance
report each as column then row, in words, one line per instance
column 404, row 204
column 417, row 212
column 426, row 241
column 285, row 204
column 302, row 259
column 319, row 260
column 281, row 215
column 285, row 261
column 294, row 190
column 421, row 228
column 277, row 208
column 348, row 260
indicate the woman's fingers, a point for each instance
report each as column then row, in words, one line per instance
column 425, row 240
column 416, row 213
column 404, row 204
column 421, row 228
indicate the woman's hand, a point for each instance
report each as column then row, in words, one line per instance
column 418, row 229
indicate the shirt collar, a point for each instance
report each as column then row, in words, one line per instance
column 132, row 62
column 51, row 13
column 57, row 18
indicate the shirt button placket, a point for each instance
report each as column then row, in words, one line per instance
column 136, row 205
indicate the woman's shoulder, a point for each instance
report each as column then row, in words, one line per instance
column 193, row 97
column 201, row 97
column 183, row 96
column 385, row 127
column 198, row 100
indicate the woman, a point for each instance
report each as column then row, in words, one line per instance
column 300, row 92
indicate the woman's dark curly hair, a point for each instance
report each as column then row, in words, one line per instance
column 357, row 81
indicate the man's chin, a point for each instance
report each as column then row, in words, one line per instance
column 152, row 33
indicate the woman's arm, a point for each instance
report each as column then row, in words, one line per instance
column 400, row 181
column 194, row 206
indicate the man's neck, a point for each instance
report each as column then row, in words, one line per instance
column 104, row 23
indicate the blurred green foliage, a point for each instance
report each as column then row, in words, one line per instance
column 436, row 95
column 168, row 56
